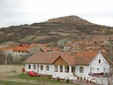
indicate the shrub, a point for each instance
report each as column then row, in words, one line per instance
column 58, row 79
column 49, row 77
column 67, row 80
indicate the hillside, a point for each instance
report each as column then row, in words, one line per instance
column 69, row 27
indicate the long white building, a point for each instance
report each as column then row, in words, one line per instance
column 90, row 65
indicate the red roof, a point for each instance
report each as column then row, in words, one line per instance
column 47, row 58
column 19, row 48
column 78, row 58
column 84, row 58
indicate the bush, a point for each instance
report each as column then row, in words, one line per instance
column 58, row 79
column 67, row 80
column 49, row 77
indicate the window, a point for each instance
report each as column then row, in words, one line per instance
column 61, row 68
column 81, row 69
column 56, row 68
column 47, row 68
column 29, row 66
column 41, row 67
column 67, row 69
column 34, row 66
column 99, row 61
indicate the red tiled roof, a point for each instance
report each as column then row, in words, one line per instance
column 70, row 60
column 20, row 48
column 78, row 58
column 67, row 57
column 84, row 58
column 42, row 58
column 49, row 57
column 5, row 48
column 106, row 56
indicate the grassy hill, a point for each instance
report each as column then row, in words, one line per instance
column 69, row 27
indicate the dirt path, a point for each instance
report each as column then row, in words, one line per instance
column 5, row 76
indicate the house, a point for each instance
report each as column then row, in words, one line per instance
column 20, row 49
column 24, row 49
column 34, row 48
column 91, row 65
column 66, row 48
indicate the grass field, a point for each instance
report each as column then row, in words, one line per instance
column 24, row 79
column 44, row 80
column 14, row 83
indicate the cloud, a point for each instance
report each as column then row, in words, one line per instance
column 15, row 12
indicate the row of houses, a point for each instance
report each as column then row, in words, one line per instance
column 90, row 65
column 25, row 49
column 70, row 46
column 86, row 45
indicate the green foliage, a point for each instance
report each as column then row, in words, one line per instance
column 14, row 83
column 44, row 79
column 58, row 79
column 67, row 80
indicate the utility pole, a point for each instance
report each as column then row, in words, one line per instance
column 6, row 60
column 6, row 55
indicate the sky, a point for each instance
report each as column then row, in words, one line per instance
column 17, row 12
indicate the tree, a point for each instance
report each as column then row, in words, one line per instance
column 110, row 76
column 109, row 48
column 2, row 57
column 34, row 50
column 7, row 54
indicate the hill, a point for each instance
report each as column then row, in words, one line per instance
column 69, row 27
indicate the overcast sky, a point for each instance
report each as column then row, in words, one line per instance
column 16, row 12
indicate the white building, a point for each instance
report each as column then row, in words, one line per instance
column 65, row 65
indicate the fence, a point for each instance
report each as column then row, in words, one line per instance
column 11, row 68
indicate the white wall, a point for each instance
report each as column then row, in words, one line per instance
column 85, row 72
column 99, row 67
column 94, row 64
column 44, row 71
column 63, row 74
column 32, row 67
column 59, row 74
column 38, row 69
column 19, row 53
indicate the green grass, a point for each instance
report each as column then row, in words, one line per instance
column 41, row 78
column 25, row 76
column 46, row 80
column 13, row 83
